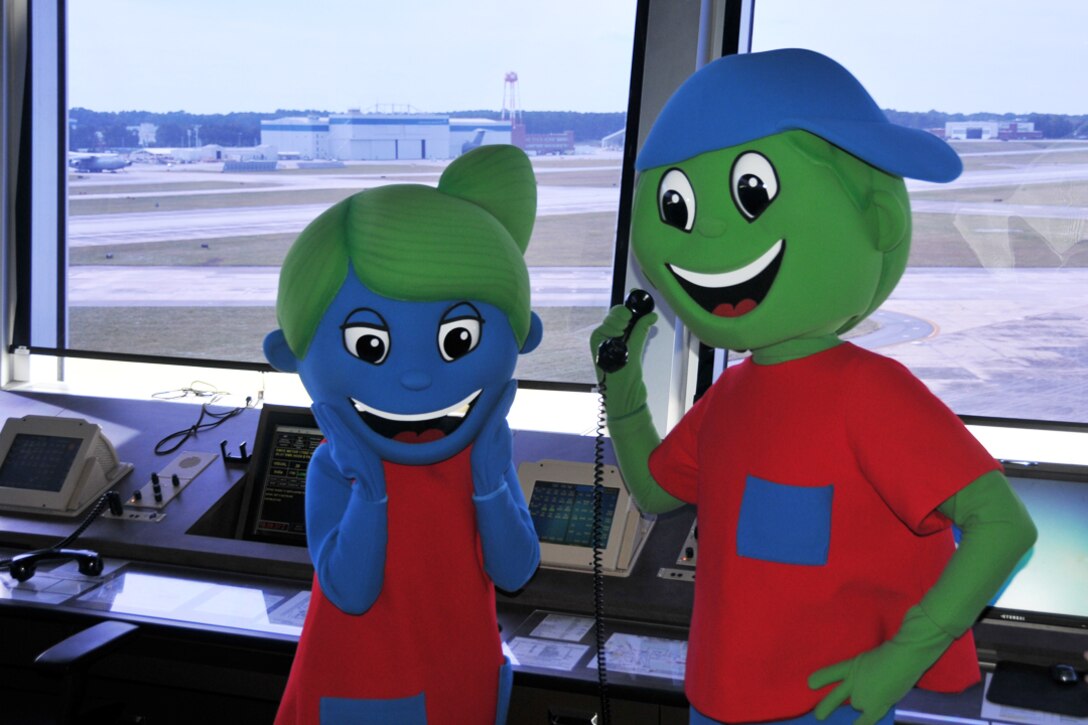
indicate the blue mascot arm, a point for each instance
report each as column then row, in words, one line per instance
column 511, row 549
column 346, row 535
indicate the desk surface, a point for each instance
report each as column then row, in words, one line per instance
column 188, row 571
column 646, row 661
column 134, row 427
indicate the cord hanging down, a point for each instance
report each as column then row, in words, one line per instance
column 598, row 545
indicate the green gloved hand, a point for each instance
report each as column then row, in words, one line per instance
column 995, row 532
column 626, row 391
column 634, row 436
column 876, row 680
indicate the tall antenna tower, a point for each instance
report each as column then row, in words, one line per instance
column 511, row 109
column 511, row 102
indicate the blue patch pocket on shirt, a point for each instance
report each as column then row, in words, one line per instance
column 403, row 711
column 785, row 524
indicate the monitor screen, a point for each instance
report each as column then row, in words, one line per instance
column 563, row 512
column 36, row 462
column 280, row 486
column 1051, row 582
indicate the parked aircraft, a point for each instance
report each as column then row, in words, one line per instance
column 477, row 140
column 96, row 163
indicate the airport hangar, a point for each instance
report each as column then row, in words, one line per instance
column 357, row 136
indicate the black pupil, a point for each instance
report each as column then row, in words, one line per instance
column 674, row 210
column 370, row 348
column 752, row 194
column 457, row 343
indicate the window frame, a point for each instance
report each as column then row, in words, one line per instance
column 671, row 40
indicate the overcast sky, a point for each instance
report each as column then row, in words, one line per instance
column 217, row 56
column 1001, row 56
column 214, row 56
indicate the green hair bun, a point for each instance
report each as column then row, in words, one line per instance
column 499, row 179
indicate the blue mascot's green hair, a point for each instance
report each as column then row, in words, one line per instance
column 464, row 240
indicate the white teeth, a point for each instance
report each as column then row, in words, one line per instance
column 457, row 409
column 730, row 279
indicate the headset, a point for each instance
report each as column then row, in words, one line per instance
column 612, row 356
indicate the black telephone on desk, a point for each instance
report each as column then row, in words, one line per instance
column 62, row 467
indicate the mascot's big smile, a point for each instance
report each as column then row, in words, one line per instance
column 736, row 293
column 416, row 427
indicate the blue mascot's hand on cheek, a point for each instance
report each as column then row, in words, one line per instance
column 354, row 458
column 493, row 451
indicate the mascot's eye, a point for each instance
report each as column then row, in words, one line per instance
column 676, row 200
column 459, row 333
column 369, row 343
column 754, row 184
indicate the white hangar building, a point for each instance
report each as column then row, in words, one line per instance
column 357, row 136
column 307, row 137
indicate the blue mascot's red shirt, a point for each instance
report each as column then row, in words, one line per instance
column 433, row 627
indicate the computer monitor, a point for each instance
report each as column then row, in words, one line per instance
column 1050, row 585
column 1040, row 617
column 273, row 507
column 562, row 512
column 560, row 495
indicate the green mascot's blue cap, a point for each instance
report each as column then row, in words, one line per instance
column 740, row 98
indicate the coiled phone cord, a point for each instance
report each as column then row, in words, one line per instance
column 110, row 498
column 598, row 545
column 611, row 356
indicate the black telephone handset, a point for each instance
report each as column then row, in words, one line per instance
column 612, row 353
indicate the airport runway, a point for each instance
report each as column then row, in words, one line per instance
column 103, row 229
column 143, row 286
column 968, row 332
column 927, row 300
column 143, row 176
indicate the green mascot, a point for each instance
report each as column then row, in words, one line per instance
column 772, row 216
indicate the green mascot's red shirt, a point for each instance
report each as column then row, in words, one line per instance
column 817, row 482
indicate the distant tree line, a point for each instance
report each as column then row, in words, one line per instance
column 1051, row 125
column 96, row 130
column 92, row 130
